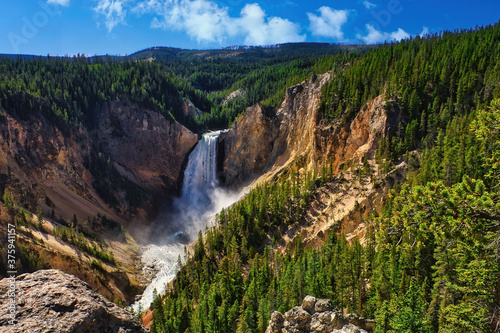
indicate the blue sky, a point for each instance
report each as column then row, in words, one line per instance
column 60, row 27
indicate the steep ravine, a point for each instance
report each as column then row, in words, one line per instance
column 201, row 198
column 265, row 144
column 262, row 143
column 140, row 157
column 93, row 180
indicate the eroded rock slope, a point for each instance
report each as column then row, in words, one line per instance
column 262, row 142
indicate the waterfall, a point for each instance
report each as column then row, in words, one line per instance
column 201, row 198
column 200, row 176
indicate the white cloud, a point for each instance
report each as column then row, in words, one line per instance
column 113, row 10
column 146, row 6
column 259, row 31
column 206, row 21
column 64, row 3
column 369, row 5
column 200, row 19
column 329, row 23
column 203, row 20
column 425, row 31
column 375, row 36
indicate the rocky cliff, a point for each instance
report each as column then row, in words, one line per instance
column 272, row 139
column 244, row 150
column 113, row 169
column 52, row 301
column 263, row 142
column 146, row 150
column 318, row 316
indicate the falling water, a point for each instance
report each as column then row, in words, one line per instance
column 200, row 177
column 201, row 198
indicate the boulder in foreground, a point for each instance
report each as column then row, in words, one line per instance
column 53, row 301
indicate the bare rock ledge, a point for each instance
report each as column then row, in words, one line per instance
column 53, row 301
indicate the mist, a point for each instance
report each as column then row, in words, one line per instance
column 195, row 210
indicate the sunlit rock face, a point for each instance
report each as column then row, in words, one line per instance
column 262, row 142
column 52, row 301
column 246, row 147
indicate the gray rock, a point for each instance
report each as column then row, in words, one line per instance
column 320, row 322
column 275, row 323
column 324, row 319
column 366, row 324
column 297, row 319
column 308, row 303
column 53, row 301
column 325, row 322
column 338, row 320
column 323, row 305
column 349, row 328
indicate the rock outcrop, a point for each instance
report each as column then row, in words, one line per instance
column 244, row 149
column 263, row 143
column 52, row 301
column 319, row 316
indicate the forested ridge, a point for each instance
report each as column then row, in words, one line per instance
column 430, row 260
column 70, row 91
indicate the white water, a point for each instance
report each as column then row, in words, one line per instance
column 201, row 198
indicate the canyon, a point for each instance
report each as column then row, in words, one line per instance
column 134, row 162
column 212, row 190
column 99, row 180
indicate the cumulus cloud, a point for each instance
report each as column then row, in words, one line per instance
column 328, row 23
column 369, row 5
column 59, row 2
column 114, row 12
column 260, row 30
column 425, row 31
column 374, row 36
column 207, row 22
column 202, row 20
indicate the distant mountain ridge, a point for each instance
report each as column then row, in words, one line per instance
column 246, row 53
column 238, row 52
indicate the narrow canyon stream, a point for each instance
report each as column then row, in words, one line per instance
column 201, row 199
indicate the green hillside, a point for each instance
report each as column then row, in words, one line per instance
column 430, row 263
column 70, row 90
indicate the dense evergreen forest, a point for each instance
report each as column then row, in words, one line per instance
column 70, row 91
column 431, row 260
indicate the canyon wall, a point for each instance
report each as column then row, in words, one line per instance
column 122, row 168
column 264, row 143
column 89, row 181
column 261, row 143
